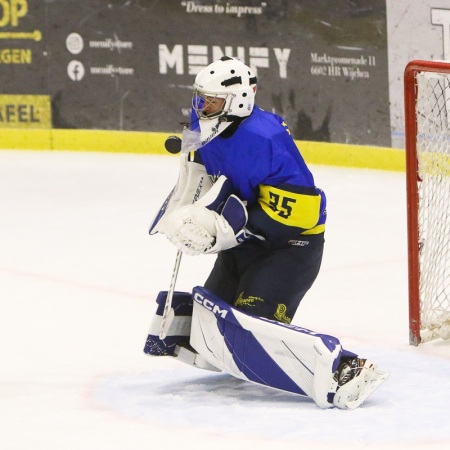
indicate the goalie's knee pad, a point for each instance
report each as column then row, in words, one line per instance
column 179, row 330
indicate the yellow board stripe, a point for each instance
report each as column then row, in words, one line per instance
column 434, row 164
column 358, row 156
column 84, row 140
column 325, row 153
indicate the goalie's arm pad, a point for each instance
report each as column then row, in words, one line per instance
column 286, row 211
column 193, row 182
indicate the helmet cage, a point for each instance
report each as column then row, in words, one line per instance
column 211, row 105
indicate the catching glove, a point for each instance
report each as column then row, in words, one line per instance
column 200, row 228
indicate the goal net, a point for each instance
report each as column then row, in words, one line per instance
column 427, row 128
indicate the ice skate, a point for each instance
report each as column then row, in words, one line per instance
column 357, row 378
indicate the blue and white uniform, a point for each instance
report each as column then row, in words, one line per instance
column 266, row 169
column 261, row 160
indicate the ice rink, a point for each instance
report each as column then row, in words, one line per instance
column 79, row 274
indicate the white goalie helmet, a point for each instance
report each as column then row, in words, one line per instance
column 228, row 79
column 223, row 92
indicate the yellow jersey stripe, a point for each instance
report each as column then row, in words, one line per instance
column 290, row 208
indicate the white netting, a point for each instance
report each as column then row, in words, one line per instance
column 433, row 155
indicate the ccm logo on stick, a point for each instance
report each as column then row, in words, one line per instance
column 209, row 304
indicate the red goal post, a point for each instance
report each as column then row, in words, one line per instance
column 427, row 134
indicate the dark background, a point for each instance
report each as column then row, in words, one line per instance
column 316, row 107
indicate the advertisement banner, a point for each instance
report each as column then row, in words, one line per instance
column 130, row 65
column 23, row 56
column 25, row 111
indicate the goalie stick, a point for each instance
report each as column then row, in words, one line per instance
column 198, row 183
column 172, row 145
column 169, row 313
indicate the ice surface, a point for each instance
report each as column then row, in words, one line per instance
column 78, row 279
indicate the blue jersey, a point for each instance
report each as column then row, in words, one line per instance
column 266, row 169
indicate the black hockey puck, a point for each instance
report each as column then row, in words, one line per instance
column 173, row 144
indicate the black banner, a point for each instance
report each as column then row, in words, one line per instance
column 129, row 64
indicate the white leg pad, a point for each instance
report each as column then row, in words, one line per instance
column 277, row 355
